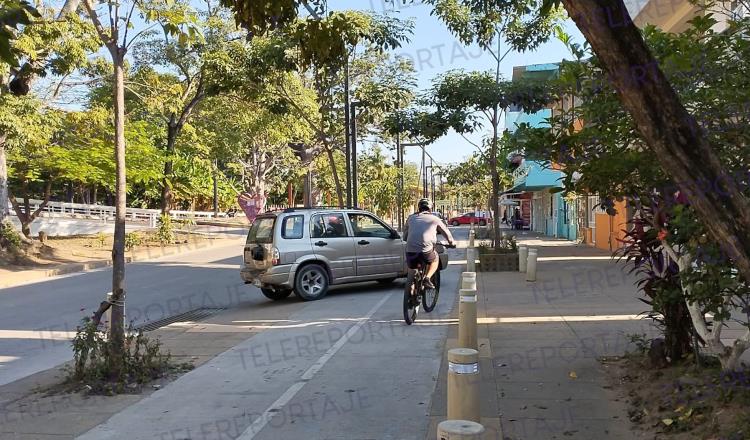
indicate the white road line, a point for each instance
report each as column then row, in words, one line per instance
column 289, row 394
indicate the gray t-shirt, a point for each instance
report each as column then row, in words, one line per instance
column 420, row 232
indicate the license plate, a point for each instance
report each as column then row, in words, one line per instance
column 256, row 283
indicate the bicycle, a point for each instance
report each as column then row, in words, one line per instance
column 415, row 292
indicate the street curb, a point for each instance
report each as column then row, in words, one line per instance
column 24, row 276
column 221, row 224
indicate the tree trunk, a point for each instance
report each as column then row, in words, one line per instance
column 166, row 189
column 677, row 329
column 117, row 334
column 3, row 181
column 339, row 191
column 678, row 142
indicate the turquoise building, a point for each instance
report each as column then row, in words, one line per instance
column 537, row 184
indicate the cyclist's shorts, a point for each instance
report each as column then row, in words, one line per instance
column 414, row 259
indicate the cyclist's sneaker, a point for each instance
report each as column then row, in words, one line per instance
column 428, row 284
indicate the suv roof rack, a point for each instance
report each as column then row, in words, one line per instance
column 301, row 208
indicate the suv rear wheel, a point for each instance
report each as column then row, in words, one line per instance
column 311, row 282
column 276, row 294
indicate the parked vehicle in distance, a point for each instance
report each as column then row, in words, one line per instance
column 441, row 217
column 306, row 250
column 469, row 218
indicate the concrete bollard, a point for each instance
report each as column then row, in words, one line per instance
column 523, row 255
column 531, row 265
column 467, row 319
column 471, row 262
column 469, row 280
column 472, row 237
column 459, row 430
column 463, row 384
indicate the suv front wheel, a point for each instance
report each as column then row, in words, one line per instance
column 311, row 282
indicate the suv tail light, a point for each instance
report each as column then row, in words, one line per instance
column 275, row 257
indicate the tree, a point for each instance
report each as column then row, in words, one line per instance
column 680, row 145
column 320, row 47
column 115, row 39
column 463, row 97
column 28, row 132
column 54, row 42
column 174, row 96
column 607, row 155
column 253, row 141
column 469, row 180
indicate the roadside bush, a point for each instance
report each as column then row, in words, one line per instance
column 132, row 239
column 9, row 238
column 165, row 233
column 101, row 239
column 143, row 361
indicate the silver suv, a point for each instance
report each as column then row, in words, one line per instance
column 305, row 250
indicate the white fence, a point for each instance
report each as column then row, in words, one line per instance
column 107, row 213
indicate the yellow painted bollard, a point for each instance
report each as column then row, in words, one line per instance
column 531, row 265
column 459, row 430
column 469, row 280
column 523, row 255
column 463, row 384
column 467, row 319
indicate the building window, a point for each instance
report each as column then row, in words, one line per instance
column 593, row 205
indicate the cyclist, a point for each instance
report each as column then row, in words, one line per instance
column 420, row 233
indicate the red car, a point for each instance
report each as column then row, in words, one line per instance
column 469, row 218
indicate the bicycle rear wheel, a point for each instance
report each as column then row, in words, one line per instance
column 411, row 301
column 430, row 297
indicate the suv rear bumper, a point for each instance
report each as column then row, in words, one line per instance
column 279, row 276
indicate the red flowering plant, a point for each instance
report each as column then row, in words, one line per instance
column 658, row 276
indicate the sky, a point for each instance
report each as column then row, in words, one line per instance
column 434, row 50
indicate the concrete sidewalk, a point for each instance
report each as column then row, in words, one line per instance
column 540, row 341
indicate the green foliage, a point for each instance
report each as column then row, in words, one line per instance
column 523, row 23
column 641, row 341
column 9, row 238
column 143, row 361
column 101, row 239
column 165, row 232
column 133, row 240
column 14, row 15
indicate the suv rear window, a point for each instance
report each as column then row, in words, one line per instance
column 262, row 230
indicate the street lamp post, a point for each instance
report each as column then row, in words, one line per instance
column 353, row 143
column 347, row 135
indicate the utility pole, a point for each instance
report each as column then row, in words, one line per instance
column 400, row 183
column 424, row 173
column 216, row 189
column 353, row 143
column 347, row 134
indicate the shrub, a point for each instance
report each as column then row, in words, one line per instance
column 101, row 238
column 132, row 239
column 165, row 233
column 142, row 361
column 9, row 238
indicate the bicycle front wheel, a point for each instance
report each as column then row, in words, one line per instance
column 411, row 301
column 430, row 297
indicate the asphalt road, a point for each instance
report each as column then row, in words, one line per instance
column 38, row 320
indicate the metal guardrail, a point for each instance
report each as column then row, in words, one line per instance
column 107, row 213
